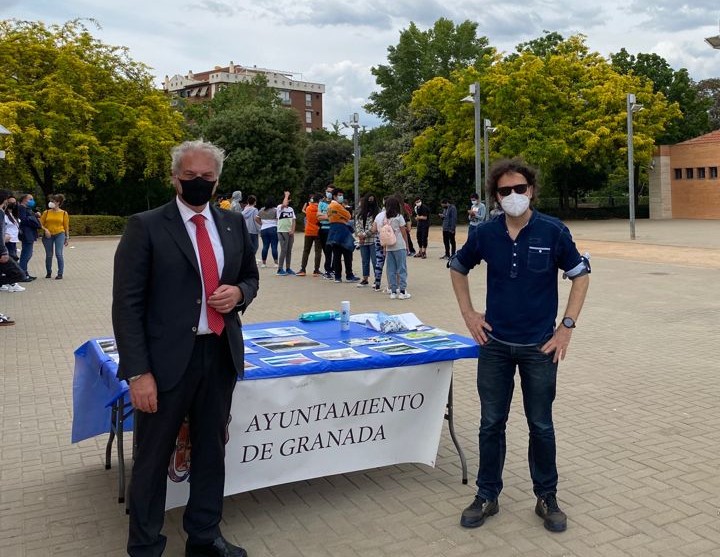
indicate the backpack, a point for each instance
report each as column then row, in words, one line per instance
column 387, row 235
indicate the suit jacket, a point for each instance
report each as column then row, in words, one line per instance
column 157, row 291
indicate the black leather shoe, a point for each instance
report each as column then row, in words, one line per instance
column 475, row 515
column 218, row 548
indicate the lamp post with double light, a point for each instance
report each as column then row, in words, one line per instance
column 355, row 125
column 474, row 98
column 488, row 130
column 632, row 107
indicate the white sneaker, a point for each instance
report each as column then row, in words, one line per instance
column 263, row 265
column 404, row 295
column 393, row 296
column 4, row 288
column 15, row 288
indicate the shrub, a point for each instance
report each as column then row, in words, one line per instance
column 96, row 225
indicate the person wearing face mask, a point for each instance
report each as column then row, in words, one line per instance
column 422, row 227
column 10, row 273
column 476, row 214
column 29, row 227
column 324, row 221
column 364, row 219
column 183, row 274
column 524, row 250
column 56, row 223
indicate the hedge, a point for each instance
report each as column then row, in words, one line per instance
column 96, row 225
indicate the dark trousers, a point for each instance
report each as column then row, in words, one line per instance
column 423, row 228
column 449, row 242
column 339, row 254
column 495, row 382
column 327, row 250
column 204, row 394
column 10, row 273
column 410, row 246
column 25, row 255
column 309, row 241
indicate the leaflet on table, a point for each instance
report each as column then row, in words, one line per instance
column 385, row 323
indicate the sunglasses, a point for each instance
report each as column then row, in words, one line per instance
column 504, row 191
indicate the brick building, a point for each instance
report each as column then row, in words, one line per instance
column 684, row 182
column 305, row 97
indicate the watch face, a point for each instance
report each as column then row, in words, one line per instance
column 568, row 322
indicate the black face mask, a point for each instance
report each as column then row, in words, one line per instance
column 198, row 191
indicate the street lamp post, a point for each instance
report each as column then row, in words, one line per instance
column 355, row 125
column 632, row 107
column 488, row 131
column 474, row 98
column 4, row 131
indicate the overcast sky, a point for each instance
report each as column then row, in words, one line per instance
column 336, row 42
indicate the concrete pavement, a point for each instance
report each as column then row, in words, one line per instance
column 636, row 414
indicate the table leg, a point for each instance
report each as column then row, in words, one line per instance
column 121, row 452
column 451, row 427
column 108, row 447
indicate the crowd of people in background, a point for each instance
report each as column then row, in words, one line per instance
column 334, row 231
column 23, row 224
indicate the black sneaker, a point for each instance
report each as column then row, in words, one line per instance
column 477, row 512
column 547, row 508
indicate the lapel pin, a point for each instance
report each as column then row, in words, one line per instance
column 228, row 229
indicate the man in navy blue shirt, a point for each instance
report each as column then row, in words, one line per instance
column 524, row 250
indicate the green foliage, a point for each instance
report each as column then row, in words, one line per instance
column 96, row 225
column 325, row 155
column 676, row 86
column 560, row 111
column 263, row 141
column 80, row 110
column 421, row 56
column 709, row 89
column 371, row 178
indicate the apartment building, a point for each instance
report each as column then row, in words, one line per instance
column 305, row 97
column 684, row 181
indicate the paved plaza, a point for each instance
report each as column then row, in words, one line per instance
column 637, row 418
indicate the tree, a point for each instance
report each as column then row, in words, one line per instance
column 560, row 110
column 677, row 86
column 263, row 141
column 80, row 111
column 325, row 155
column 422, row 55
column 710, row 89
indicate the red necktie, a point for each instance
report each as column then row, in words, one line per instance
column 210, row 276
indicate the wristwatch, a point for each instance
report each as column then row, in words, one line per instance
column 134, row 378
column 568, row 322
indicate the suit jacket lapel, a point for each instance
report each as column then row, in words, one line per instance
column 178, row 232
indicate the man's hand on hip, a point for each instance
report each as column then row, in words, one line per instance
column 477, row 326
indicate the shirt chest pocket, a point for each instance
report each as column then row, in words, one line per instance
column 538, row 259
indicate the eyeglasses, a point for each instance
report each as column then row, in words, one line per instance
column 504, row 191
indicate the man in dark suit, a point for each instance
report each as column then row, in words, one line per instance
column 183, row 271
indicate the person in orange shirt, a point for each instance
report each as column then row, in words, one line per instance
column 340, row 237
column 312, row 236
column 56, row 223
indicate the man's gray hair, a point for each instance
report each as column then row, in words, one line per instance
column 179, row 151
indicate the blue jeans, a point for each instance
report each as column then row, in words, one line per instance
column 25, row 255
column 396, row 261
column 367, row 254
column 56, row 242
column 495, row 383
column 270, row 241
